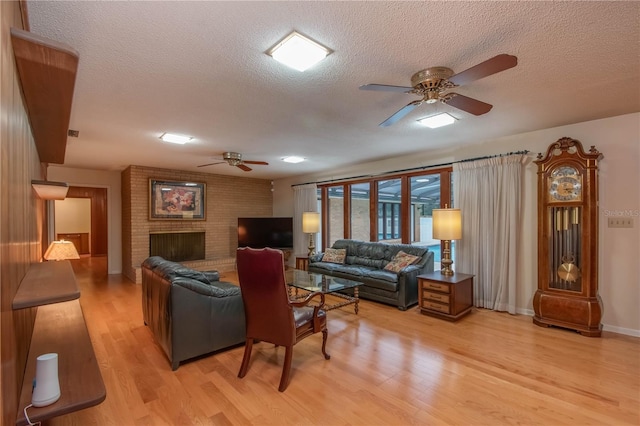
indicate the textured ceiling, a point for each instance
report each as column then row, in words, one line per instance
column 199, row 68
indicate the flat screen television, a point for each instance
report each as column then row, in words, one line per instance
column 260, row 232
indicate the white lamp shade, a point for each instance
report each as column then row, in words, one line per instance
column 61, row 250
column 447, row 224
column 310, row 222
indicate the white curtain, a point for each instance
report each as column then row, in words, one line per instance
column 305, row 199
column 488, row 193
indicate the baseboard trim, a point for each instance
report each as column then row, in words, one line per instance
column 605, row 327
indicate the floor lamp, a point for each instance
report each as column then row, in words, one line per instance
column 311, row 226
column 447, row 226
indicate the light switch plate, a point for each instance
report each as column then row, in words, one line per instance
column 620, row 222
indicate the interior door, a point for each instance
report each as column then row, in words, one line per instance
column 99, row 230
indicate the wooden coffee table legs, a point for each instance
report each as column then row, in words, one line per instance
column 348, row 300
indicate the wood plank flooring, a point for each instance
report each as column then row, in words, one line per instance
column 387, row 367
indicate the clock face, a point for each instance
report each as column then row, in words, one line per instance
column 565, row 184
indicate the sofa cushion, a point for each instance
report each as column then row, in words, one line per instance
column 334, row 255
column 185, row 272
column 219, row 289
column 369, row 254
column 400, row 261
column 171, row 270
column 378, row 274
column 387, row 286
column 354, row 270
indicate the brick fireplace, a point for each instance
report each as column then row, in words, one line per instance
column 227, row 198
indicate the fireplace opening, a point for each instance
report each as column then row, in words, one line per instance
column 177, row 246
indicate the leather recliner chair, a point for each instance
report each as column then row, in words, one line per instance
column 190, row 313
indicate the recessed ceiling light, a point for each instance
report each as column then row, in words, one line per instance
column 438, row 120
column 180, row 139
column 293, row 159
column 298, row 52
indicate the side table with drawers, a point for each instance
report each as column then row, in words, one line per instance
column 446, row 297
column 302, row 262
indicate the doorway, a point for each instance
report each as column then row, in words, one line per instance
column 90, row 234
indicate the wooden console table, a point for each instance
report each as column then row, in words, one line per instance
column 59, row 327
column 446, row 297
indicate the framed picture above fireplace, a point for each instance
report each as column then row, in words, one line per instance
column 176, row 200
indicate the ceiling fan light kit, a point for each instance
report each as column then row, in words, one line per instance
column 432, row 83
column 438, row 120
column 233, row 158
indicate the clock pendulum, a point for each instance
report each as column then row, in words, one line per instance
column 568, row 271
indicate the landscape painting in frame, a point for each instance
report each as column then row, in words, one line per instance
column 176, row 200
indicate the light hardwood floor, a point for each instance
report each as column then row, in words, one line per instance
column 387, row 367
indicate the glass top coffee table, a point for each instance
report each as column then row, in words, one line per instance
column 297, row 279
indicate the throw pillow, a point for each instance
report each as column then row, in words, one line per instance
column 400, row 261
column 334, row 255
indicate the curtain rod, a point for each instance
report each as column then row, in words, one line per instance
column 413, row 169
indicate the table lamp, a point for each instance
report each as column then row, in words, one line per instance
column 61, row 250
column 311, row 226
column 447, row 226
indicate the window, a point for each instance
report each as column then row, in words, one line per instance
column 389, row 217
column 394, row 209
column 425, row 196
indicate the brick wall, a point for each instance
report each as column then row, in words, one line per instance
column 227, row 198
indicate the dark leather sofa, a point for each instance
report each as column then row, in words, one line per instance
column 190, row 313
column 365, row 262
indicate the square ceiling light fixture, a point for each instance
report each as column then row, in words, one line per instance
column 179, row 139
column 438, row 120
column 293, row 159
column 298, row 52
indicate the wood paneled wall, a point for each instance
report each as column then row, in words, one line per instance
column 21, row 218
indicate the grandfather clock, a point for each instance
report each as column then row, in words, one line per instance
column 567, row 294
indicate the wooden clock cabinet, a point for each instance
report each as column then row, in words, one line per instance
column 567, row 294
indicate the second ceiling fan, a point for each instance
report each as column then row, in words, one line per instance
column 235, row 159
column 432, row 83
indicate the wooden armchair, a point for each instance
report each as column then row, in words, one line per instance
column 270, row 315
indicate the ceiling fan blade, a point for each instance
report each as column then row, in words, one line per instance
column 243, row 167
column 401, row 113
column 470, row 105
column 211, row 164
column 261, row 163
column 484, row 69
column 386, row 88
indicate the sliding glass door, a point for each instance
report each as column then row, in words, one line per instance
column 360, row 212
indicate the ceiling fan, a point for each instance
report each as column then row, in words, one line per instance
column 432, row 83
column 235, row 159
